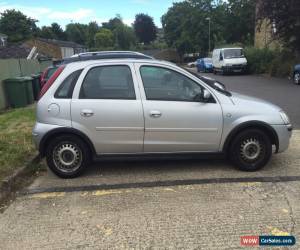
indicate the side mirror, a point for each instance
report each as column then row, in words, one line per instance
column 204, row 96
column 221, row 57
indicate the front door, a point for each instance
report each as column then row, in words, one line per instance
column 174, row 120
column 106, row 106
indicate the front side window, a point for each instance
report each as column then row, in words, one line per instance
column 108, row 82
column 168, row 85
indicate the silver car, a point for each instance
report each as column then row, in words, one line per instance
column 126, row 107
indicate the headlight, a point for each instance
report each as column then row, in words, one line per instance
column 284, row 117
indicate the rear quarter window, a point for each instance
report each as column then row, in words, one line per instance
column 65, row 90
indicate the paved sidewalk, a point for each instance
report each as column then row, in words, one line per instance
column 210, row 216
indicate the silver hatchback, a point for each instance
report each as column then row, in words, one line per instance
column 144, row 107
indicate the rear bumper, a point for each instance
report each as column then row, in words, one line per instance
column 284, row 133
column 39, row 131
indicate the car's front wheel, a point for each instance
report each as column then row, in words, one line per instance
column 67, row 156
column 250, row 150
column 297, row 78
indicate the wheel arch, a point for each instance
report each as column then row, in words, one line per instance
column 270, row 132
column 64, row 131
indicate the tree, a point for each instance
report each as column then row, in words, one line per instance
column 46, row 32
column 144, row 28
column 92, row 29
column 104, row 38
column 17, row 26
column 186, row 27
column 58, row 31
column 284, row 18
column 113, row 23
column 240, row 21
column 77, row 32
column 124, row 37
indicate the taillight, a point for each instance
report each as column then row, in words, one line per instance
column 51, row 80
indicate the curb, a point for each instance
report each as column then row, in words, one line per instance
column 7, row 186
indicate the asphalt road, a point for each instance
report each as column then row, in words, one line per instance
column 186, row 204
column 279, row 91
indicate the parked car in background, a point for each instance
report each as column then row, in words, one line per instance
column 192, row 64
column 296, row 75
column 204, row 65
column 48, row 72
column 229, row 60
column 120, row 107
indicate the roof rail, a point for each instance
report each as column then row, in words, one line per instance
column 101, row 55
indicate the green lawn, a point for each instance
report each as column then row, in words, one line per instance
column 16, row 147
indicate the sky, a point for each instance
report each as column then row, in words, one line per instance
column 84, row 11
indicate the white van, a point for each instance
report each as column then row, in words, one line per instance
column 227, row 60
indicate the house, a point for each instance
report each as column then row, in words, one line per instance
column 3, row 40
column 55, row 49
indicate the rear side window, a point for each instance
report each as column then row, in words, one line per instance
column 66, row 88
column 108, row 82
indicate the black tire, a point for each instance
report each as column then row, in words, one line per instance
column 250, row 150
column 62, row 146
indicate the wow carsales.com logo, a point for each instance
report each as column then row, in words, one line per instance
column 268, row 240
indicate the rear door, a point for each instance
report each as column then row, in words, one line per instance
column 106, row 106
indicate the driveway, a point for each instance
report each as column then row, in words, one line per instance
column 279, row 91
column 191, row 204
column 187, row 204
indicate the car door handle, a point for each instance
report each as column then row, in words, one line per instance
column 155, row 114
column 87, row 113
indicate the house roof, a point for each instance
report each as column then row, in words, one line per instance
column 61, row 43
column 16, row 51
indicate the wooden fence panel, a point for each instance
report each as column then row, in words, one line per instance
column 18, row 67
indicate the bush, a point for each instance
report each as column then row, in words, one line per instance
column 283, row 64
column 259, row 59
column 274, row 62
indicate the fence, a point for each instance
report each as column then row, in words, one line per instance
column 18, row 67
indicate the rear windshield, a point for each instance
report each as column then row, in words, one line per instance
column 207, row 60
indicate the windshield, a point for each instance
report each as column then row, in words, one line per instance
column 207, row 60
column 233, row 53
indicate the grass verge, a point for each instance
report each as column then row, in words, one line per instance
column 16, row 147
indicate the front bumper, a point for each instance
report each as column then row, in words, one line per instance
column 234, row 68
column 284, row 133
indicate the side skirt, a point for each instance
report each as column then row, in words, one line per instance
column 159, row 156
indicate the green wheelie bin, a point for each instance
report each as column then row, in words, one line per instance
column 29, row 89
column 16, row 92
column 36, row 86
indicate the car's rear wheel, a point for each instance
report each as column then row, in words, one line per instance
column 250, row 150
column 67, row 156
column 297, row 78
